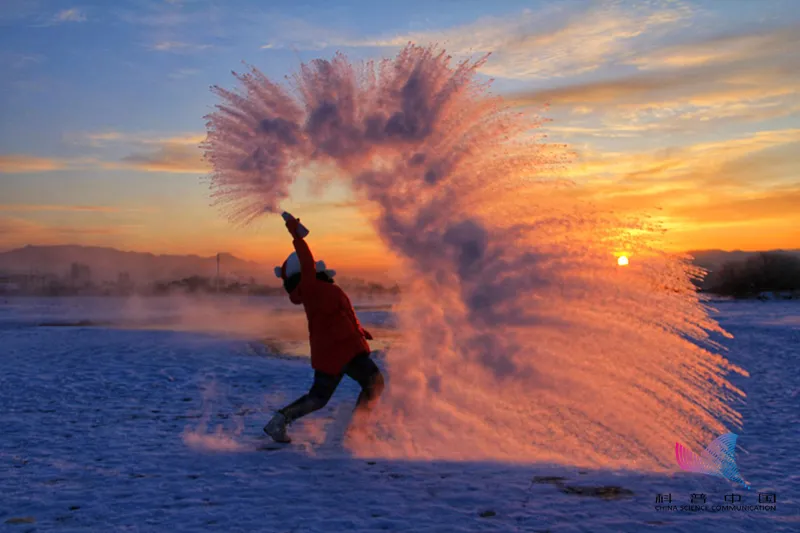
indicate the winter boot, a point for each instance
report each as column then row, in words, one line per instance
column 276, row 428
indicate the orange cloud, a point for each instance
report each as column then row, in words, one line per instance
column 71, row 208
column 700, row 164
column 723, row 49
column 176, row 154
column 188, row 139
column 177, row 158
column 684, row 88
column 107, row 137
column 700, row 86
column 18, row 164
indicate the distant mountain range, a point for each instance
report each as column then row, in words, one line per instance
column 107, row 263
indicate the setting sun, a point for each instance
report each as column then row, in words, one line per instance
column 622, row 260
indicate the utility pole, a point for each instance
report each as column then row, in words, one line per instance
column 217, row 280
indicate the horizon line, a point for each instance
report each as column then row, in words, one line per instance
column 214, row 255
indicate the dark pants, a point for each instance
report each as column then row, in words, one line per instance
column 361, row 368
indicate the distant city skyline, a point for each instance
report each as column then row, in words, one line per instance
column 70, row 276
column 107, row 263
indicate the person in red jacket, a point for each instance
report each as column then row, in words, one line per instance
column 338, row 342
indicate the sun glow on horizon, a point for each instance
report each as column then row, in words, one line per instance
column 622, row 260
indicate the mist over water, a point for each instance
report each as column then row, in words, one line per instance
column 522, row 338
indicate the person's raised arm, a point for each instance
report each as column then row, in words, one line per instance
column 308, row 270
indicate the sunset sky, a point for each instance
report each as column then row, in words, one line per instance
column 688, row 110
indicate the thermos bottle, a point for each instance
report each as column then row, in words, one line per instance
column 302, row 231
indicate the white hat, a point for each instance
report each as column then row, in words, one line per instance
column 291, row 267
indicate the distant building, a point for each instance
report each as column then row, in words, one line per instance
column 124, row 283
column 9, row 285
column 32, row 283
column 80, row 275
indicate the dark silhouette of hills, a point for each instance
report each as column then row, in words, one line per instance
column 714, row 259
column 106, row 264
column 776, row 273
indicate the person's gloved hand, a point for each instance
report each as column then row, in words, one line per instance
column 292, row 225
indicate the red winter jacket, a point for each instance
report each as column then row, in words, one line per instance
column 334, row 331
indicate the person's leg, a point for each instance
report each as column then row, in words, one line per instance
column 364, row 370
column 317, row 397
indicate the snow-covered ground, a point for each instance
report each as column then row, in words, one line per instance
column 110, row 412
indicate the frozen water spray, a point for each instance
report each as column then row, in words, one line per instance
column 523, row 338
